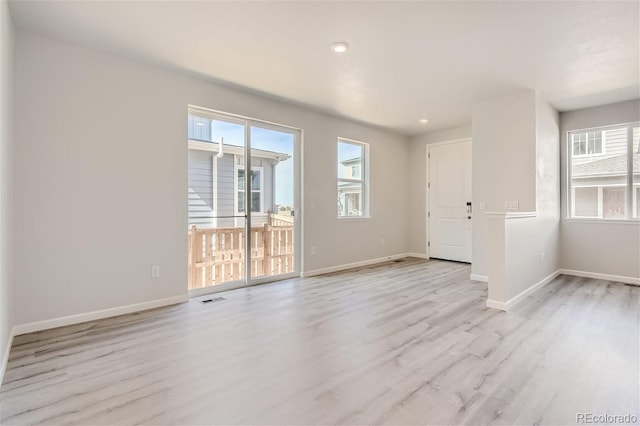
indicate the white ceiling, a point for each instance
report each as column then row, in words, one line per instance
column 407, row 59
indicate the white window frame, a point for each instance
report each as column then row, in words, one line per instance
column 365, row 212
column 236, row 188
column 570, row 189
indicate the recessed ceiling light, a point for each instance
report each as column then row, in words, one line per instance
column 424, row 121
column 339, row 47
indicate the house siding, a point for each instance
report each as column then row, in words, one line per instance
column 200, row 188
column 614, row 143
column 201, row 191
column 226, row 188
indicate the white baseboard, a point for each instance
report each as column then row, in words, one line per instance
column 608, row 277
column 476, row 277
column 95, row 315
column 417, row 255
column 537, row 286
column 5, row 358
column 505, row 306
column 496, row 305
column 353, row 265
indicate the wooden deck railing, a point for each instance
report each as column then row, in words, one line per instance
column 216, row 255
column 280, row 220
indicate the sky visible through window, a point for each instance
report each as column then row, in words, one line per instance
column 267, row 140
column 347, row 151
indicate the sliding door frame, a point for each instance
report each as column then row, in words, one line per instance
column 248, row 123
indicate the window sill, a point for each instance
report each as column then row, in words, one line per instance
column 354, row 218
column 602, row 221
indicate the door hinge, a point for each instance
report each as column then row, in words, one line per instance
column 428, row 214
column 428, row 243
column 428, row 184
column 429, row 155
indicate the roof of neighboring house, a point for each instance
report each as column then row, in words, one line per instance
column 616, row 165
column 235, row 149
column 355, row 160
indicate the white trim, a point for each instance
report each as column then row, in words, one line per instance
column 427, row 184
column 214, row 188
column 598, row 276
column 5, row 358
column 602, row 221
column 505, row 306
column 354, row 218
column 477, row 277
column 427, row 201
column 570, row 193
column 496, row 305
column 272, row 278
column 537, row 286
column 448, row 142
column 237, row 150
column 364, row 180
column 226, row 286
column 298, row 201
column 353, row 265
column 234, row 118
column 511, row 215
column 298, row 185
column 418, row 255
column 235, row 285
column 95, row 315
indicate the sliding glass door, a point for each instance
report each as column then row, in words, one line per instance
column 243, row 193
column 273, row 183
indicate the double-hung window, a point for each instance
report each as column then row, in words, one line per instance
column 604, row 172
column 353, row 178
column 255, row 192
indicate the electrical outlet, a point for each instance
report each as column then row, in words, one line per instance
column 381, row 241
column 155, row 271
column 483, row 205
column 313, row 251
column 511, row 205
column 541, row 257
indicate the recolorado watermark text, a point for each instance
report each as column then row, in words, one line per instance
column 590, row 418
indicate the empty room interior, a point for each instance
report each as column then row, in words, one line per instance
column 319, row 212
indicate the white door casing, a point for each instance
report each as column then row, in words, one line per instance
column 449, row 191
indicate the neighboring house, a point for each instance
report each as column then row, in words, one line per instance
column 349, row 193
column 599, row 173
column 217, row 183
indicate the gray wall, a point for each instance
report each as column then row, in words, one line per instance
column 418, row 182
column 504, row 163
column 591, row 245
column 516, row 253
column 6, row 182
column 91, row 251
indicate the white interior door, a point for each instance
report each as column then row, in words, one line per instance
column 449, row 197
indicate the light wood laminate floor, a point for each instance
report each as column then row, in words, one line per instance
column 399, row 343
